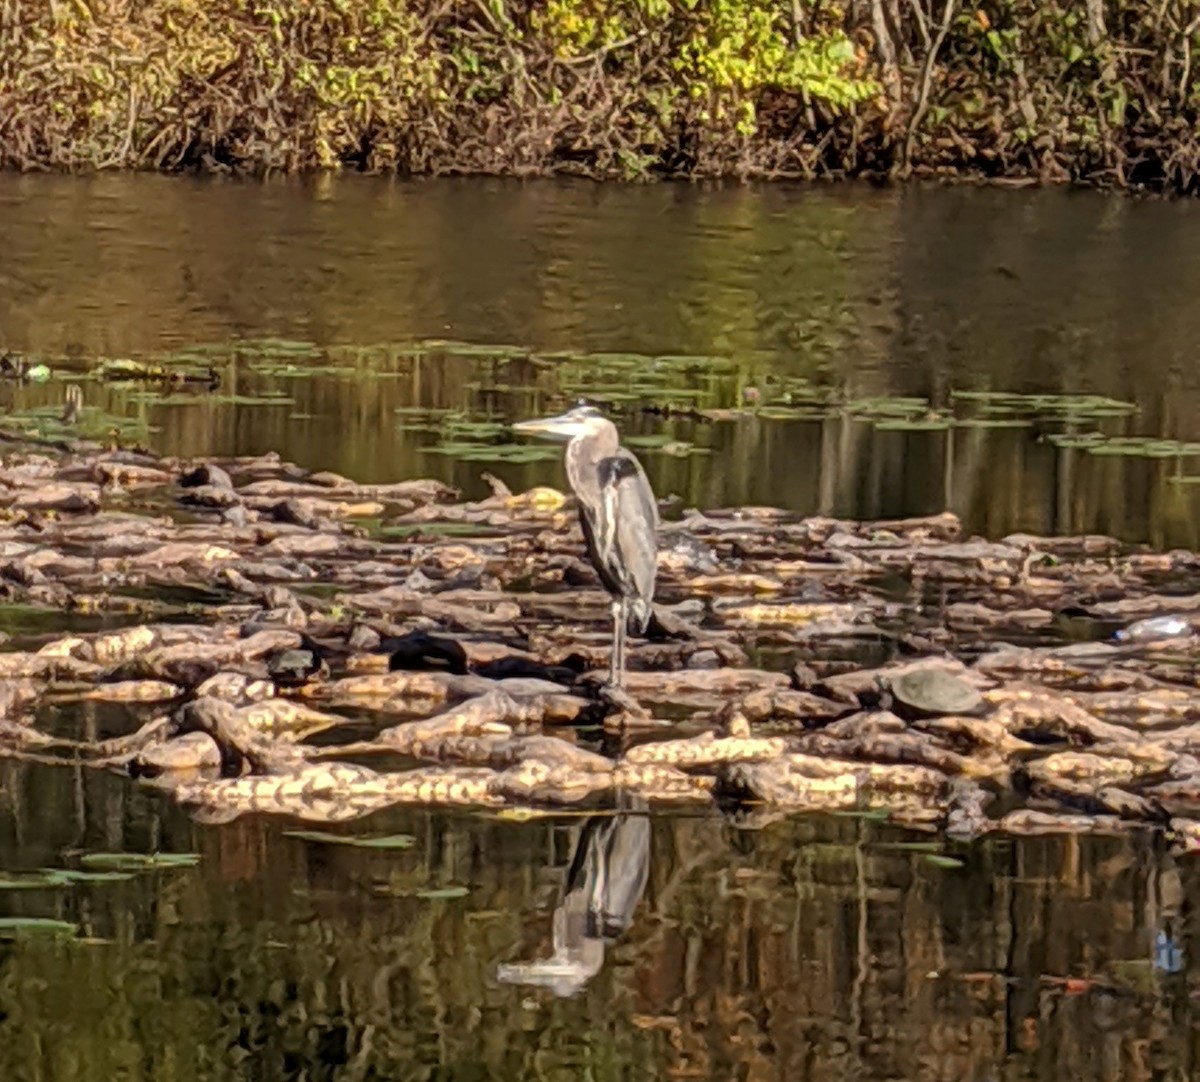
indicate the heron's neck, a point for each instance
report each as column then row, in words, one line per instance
column 585, row 453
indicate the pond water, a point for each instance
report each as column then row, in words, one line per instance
column 871, row 331
column 1027, row 359
column 826, row 948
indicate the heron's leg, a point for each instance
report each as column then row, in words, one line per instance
column 618, row 628
column 624, row 626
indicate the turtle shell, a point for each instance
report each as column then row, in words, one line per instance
column 292, row 668
column 930, row 692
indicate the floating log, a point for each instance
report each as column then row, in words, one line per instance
column 253, row 599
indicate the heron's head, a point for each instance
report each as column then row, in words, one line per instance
column 580, row 421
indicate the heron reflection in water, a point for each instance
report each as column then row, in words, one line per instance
column 608, row 875
column 617, row 512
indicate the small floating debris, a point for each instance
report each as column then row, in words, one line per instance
column 1154, row 627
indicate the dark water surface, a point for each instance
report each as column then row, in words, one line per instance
column 860, row 293
column 793, row 949
column 819, row 948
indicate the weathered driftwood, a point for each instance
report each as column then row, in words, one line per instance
column 238, row 739
column 191, row 753
column 334, row 792
column 478, row 645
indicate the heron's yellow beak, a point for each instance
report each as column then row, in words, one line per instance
column 561, row 427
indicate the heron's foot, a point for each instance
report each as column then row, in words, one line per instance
column 622, row 707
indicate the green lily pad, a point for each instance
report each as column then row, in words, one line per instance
column 471, row 349
column 710, row 364
column 386, row 841
column 14, row 927
column 136, row 862
column 443, row 893
column 496, row 452
column 278, row 346
column 788, row 413
column 656, row 440
column 46, row 879
column 478, row 430
column 358, row 841
column 921, row 425
column 940, row 860
column 224, row 400
column 1141, row 447
column 1076, row 443
column 986, row 396
column 899, row 406
column 993, row 422
column 74, row 875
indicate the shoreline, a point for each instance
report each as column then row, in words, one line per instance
column 640, row 90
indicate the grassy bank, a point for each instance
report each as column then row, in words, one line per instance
column 1020, row 89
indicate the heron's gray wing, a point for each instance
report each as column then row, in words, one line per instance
column 626, row 530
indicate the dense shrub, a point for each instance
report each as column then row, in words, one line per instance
column 607, row 88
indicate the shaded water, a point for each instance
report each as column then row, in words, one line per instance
column 813, row 948
column 863, row 293
column 796, row 949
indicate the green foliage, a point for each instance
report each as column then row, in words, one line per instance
column 742, row 47
column 606, row 88
column 724, row 52
column 389, row 84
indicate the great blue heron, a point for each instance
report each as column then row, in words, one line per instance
column 618, row 514
column 607, row 878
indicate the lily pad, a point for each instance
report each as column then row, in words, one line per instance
column 443, row 893
column 14, row 927
column 496, row 452
column 899, row 406
column 478, row 430
column 1076, row 443
column 993, row 422
column 358, row 841
column 45, row 879
column 940, row 860
column 278, row 346
column 940, row 424
column 294, row 371
column 471, row 349
column 1142, row 447
column 652, row 441
column 136, row 862
column 75, row 875
column 788, row 413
